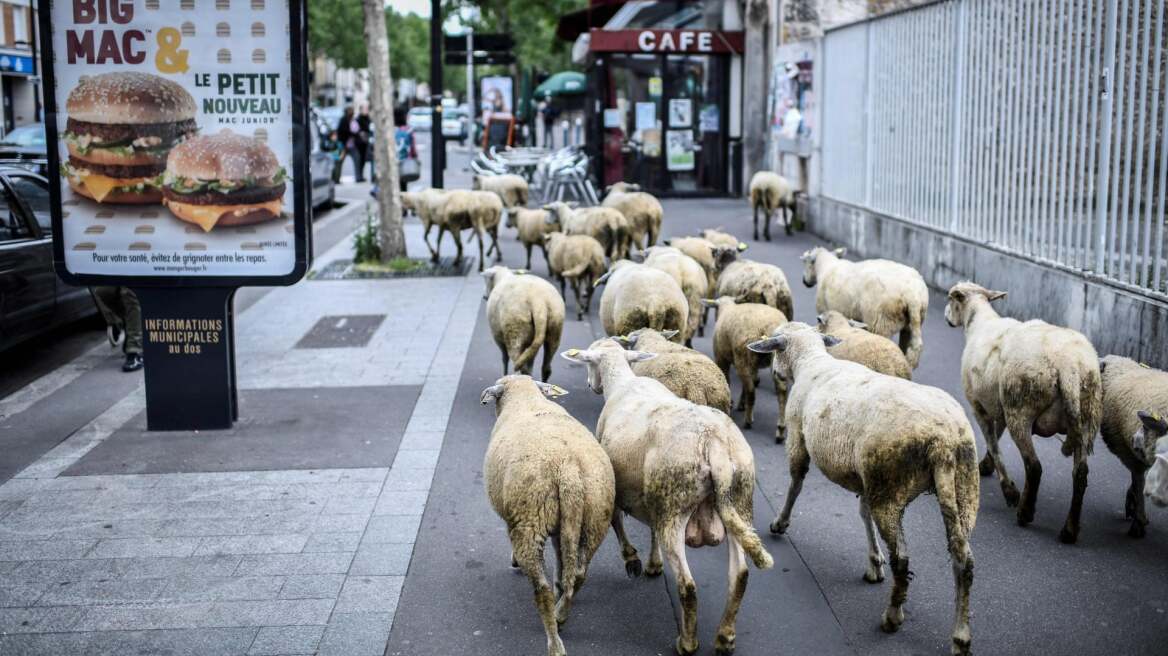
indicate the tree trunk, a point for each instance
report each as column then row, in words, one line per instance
column 390, row 234
column 754, row 84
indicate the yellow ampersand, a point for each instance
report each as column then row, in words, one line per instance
column 170, row 59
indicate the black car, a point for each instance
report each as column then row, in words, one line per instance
column 25, row 147
column 33, row 299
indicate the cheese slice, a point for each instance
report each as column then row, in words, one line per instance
column 102, row 185
column 207, row 216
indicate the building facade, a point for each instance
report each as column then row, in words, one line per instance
column 19, row 64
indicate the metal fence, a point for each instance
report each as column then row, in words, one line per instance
column 1035, row 126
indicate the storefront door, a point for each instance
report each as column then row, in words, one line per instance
column 664, row 122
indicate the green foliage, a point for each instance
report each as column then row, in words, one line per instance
column 533, row 24
column 409, row 45
column 366, row 242
column 335, row 30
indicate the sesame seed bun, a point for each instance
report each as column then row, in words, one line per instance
column 129, row 98
column 223, row 156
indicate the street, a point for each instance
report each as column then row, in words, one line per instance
column 346, row 514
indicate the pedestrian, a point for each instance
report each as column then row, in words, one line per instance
column 123, row 317
column 344, row 137
column 348, row 129
column 364, row 138
column 409, row 168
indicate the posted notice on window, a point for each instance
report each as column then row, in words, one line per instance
column 175, row 132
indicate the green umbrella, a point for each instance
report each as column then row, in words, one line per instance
column 564, row 83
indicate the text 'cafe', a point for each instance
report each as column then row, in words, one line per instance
column 664, row 93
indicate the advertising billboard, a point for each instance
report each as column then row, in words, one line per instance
column 178, row 131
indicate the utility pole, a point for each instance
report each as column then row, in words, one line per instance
column 437, row 144
column 470, row 95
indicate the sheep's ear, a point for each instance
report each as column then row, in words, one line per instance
column 831, row 340
column 602, row 279
column 551, row 391
column 639, row 258
column 491, row 394
column 957, row 295
column 667, row 242
column 639, row 356
column 575, row 355
column 769, row 345
column 993, row 295
column 669, row 334
column 1153, row 422
column 708, row 303
column 821, row 319
column 839, row 252
column 857, row 324
column 625, row 341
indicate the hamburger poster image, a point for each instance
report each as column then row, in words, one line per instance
column 175, row 131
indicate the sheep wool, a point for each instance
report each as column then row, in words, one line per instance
column 479, row 211
column 578, row 259
column 686, row 372
column 754, row 282
column 637, row 296
column 511, row 189
column 525, row 314
column 643, row 211
column 605, row 225
column 877, row 353
column 771, row 192
column 531, row 226
column 737, row 325
column 546, row 475
column 689, row 276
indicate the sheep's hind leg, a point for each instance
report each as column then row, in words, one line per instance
column 579, row 301
column 1133, row 506
column 1070, row 532
column 992, row 432
column 527, row 247
column 755, row 217
column 747, row 401
column 799, row 462
column 781, row 393
column 528, row 552
column 655, row 566
column 628, row 551
column 888, row 518
column 875, row 570
column 724, row 641
column 551, row 344
column 1019, row 427
column 673, row 546
column 960, row 556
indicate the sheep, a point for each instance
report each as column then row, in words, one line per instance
column 575, row 258
column 754, row 282
column 888, row 440
column 638, row 296
column 689, row 276
column 682, row 469
column 547, row 475
column 1028, row 378
column 525, row 314
column 771, row 192
column 1152, row 444
column 642, row 209
column 605, row 225
column 858, row 345
column 511, row 189
column 888, row 296
column 479, row 211
column 531, row 226
column 427, row 204
column 738, row 324
column 686, row 372
column 1129, row 387
column 720, row 238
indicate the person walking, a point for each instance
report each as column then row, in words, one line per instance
column 409, row 168
column 347, row 129
column 123, row 317
column 364, row 138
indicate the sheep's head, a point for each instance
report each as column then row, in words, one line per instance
column 631, row 340
column 492, row 276
column 596, row 356
column 515, row 383
column 1150, row 441
column 833, row 321
column 810, row 275
column 557, row 212
column 621, row 187
column 961, row 296
column 724, row 256
column 788, row 343
column 510, row 218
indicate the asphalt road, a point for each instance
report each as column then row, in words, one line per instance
column 1031, row 594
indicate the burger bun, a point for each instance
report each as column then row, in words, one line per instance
column 239, row 216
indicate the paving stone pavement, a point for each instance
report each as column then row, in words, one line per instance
column 242, row 562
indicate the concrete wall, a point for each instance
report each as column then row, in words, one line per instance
column 1115, row 320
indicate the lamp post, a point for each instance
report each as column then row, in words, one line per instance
column 438, row 145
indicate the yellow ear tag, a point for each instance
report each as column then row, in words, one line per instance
column 558, row 391
column 519, row 272
column 742, row 246
column 1156, row 416
column 1145, row 367
column 573, row 352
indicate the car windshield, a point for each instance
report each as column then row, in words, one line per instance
column 420, row 111
column 26, row 136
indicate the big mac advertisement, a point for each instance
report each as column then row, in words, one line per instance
column 175, row 136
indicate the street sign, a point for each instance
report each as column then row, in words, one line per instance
column 178, row 139
column 489, row 59
column 484, row 42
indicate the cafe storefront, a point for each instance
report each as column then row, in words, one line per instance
column 664, row 96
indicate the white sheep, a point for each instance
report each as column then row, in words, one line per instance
column 753, row 282
column 689, row 276
column 888, row 440
column 858, row 345
column 525, row 314
column 427, row 204
column 604, row 224
column 511, row 189
column 890, row 297
column 771, row 192
column 637, row 296
column 1027, row 378
column 547, row 476
column 686, row 372
column 1129, row 387
column 642, row 210
column 682, row 469
column 737, row 325
column 1151, row 441
column 479, row 211
column 531, row 226
column 578, row 259
column 719, row 237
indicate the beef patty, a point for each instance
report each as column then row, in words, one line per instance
column 245, row 196
column 113, row 133
column 119, row 171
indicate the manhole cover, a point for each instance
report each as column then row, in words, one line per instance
column 341, row 331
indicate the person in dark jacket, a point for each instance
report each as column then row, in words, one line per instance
column 364, row 138
column 348, row 130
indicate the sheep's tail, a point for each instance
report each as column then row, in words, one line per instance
column 539, row 321
column 722, row 475
column 956, row 480
column 1081, row 391
column 578, row 270
column 571, row 524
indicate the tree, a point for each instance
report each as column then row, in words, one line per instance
column 330, row 32
column 393, row 239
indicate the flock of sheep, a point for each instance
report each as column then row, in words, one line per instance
column 666, row 451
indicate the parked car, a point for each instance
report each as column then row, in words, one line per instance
column 328, row 117
column 419, row 118
column 455, row 124
column 26, row 147
column 320, row 164
column 33, row 300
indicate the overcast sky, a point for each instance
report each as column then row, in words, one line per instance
column 419, row 7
